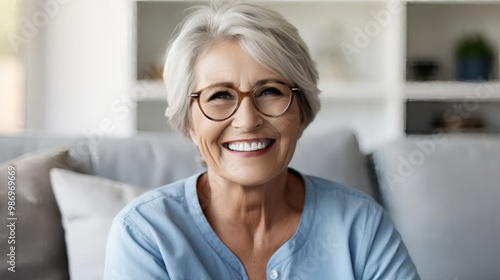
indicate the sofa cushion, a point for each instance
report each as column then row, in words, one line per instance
column 88, row 205
column 148, row 160
column 333, row 154
column 443, row 193
column 40, row 251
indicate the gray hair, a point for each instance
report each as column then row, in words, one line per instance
column 264, row 34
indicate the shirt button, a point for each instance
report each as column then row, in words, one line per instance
column 273, row 274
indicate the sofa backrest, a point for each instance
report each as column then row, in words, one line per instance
column 142, row 160
column 152, row 160
column 443, row 193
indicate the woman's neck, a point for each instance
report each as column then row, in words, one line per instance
column 256, row 209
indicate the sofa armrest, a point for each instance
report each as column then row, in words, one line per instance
column 442, row 193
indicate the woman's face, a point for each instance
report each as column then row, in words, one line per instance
column 219, row 141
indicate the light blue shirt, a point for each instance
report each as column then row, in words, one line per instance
column 343, row 234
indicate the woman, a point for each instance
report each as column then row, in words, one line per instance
column 242, row 86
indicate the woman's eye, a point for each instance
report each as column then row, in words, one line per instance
column 270, row 91
column 221, row 95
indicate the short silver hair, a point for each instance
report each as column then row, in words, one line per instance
column 264, row 34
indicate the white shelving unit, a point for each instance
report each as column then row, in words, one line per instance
column 352, row 92
column 434, row 29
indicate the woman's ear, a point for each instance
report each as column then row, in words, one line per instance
column 191, row 130
column 302, row 126
column 193, row 135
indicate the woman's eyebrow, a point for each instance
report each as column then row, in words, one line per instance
column 231, row 84
column 265, row 81
column 226, row 84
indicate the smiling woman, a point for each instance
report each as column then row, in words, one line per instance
column 242, row 86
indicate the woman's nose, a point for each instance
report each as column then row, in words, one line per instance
column 247, row 117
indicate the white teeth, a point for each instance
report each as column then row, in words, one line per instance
column 254, row 146
column 248, row 146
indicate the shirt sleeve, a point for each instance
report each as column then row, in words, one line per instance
column 386, row 256
column 130, row 254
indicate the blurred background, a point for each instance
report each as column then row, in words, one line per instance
column 387, row 68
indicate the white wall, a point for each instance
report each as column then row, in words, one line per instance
column 80, row 67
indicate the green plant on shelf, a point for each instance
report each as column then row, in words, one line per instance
column 473, row 46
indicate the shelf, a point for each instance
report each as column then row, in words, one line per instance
column 471, row 116
column 453, row 1
column 351, row 92
column 150, row 90
column 487, row 91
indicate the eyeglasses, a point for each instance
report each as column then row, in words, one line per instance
column 219, row 102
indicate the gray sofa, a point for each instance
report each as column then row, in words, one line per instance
column 442, row 192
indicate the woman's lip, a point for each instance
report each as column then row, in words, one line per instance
column 249, row 140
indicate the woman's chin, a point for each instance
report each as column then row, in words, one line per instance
column 252, row 175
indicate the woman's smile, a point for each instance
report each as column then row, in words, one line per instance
column 250, row 147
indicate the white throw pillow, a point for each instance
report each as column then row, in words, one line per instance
column 88, row 205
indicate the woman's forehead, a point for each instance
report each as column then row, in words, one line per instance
column 227, row 62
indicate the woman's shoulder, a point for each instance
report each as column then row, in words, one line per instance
column 167, row 198
column 326, row 187
column 333, row 194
